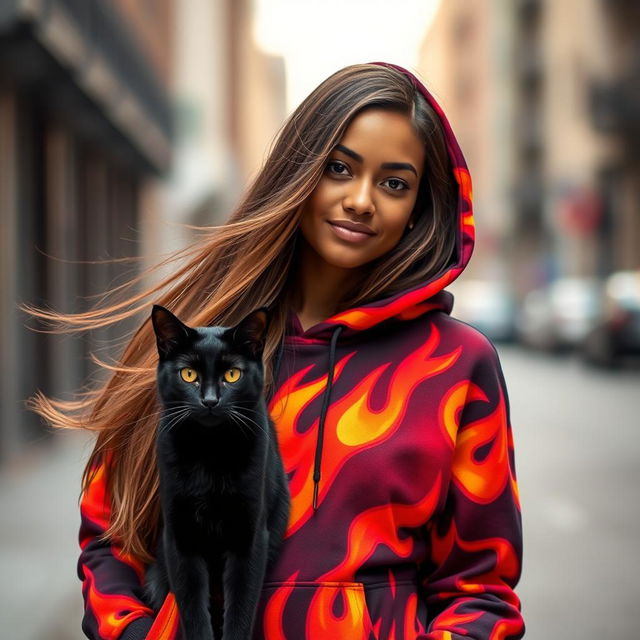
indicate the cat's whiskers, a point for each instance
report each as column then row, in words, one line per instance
column 239, row 422
column 159, row 412
column 163, row 412
column 238, row 419
column 169, row 415
column 167, row 426
column 173, row 410
column 249, row 409
column 243, row 408
column 241, row 416
column 246, row 404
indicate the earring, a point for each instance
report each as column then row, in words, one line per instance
column 410, row 226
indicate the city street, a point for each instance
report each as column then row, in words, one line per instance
column 577, row 458
column 577, row 442
column 40, row 594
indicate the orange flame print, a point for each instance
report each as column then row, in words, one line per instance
column 95, row 506
column 452, row 404
column 352, row 425
column 413, row 628
column 453, row 621
column 165, row 626
column 353, row 623
column 483, row 480
column 505, row 557
column 463, row 177
column 274, row 611
column 380, row 526
column 113, row 612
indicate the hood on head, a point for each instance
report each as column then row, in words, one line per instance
column 430, row 294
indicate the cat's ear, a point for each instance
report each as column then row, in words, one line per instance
column 170, row 332
column 251, row 332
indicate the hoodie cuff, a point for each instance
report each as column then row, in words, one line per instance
column 138, row 629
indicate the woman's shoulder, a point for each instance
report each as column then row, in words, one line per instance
column 442, row 332
column 451, row 333
column 461, row 330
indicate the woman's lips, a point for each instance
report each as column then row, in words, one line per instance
column 349, row 235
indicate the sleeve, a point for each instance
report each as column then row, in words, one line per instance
column 475, row 546
column 111, row 580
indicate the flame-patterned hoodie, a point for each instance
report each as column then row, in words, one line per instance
column 393, row 422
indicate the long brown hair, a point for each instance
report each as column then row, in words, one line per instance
column 242, row 264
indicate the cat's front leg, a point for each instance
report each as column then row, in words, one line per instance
column 189, row 581
column 243, row 578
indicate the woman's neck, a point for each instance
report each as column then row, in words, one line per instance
column 319, row 286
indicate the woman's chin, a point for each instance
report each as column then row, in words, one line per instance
column 339, row 260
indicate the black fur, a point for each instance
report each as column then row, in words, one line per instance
column 223, row 490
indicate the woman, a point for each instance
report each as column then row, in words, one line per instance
column 392, row 417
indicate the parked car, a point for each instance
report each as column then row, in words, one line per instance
column 559, row 316
column 487, row 305
column 616, row 334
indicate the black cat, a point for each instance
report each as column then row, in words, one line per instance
column 223, row 490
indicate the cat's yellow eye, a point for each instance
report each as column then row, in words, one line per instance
column 232, row 375
column 188, row 375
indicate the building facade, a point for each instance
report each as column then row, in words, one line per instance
column 85, row 121
column 121, row 123
column 544, row 96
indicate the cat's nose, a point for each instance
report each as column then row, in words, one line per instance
column 210, row 402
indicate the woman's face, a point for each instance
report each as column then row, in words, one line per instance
column 371, row 179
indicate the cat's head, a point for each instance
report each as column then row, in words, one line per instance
column 210, row 371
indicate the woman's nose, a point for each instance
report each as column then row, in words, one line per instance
column 359, row 197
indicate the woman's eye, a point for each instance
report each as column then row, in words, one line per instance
column 232, row 375
column 338, row 167
column 188, row 375
column 396, row 185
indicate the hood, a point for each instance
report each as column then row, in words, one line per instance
column 426, row 296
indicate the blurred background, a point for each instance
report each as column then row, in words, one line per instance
column 122, row 120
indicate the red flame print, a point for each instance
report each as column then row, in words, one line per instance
column 95, row 507
column 351, row 424
column 274, row 610
column 413, row 628
column 453, row 403
column 380, row 526
column 506, row 559
column 483, row 480
column 466, row 190
column 454, row 621
column 354, row 622
column 165, row 626
column 113, row 612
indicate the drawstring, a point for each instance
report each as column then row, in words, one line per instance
column 323, row 413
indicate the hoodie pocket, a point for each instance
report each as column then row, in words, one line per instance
column 396, row 610
column 313, row 611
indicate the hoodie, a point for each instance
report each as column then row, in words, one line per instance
column 394, row 427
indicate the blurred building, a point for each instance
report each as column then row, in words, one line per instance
column 613, row 104
column 230, row 99
column 85, row 119
column 120, row 122
column 544, row 97
column 464, row 61
column 592, row 205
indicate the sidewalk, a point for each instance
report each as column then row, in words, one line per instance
column 40, row 594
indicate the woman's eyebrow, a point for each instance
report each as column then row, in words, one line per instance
column 387, row 165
